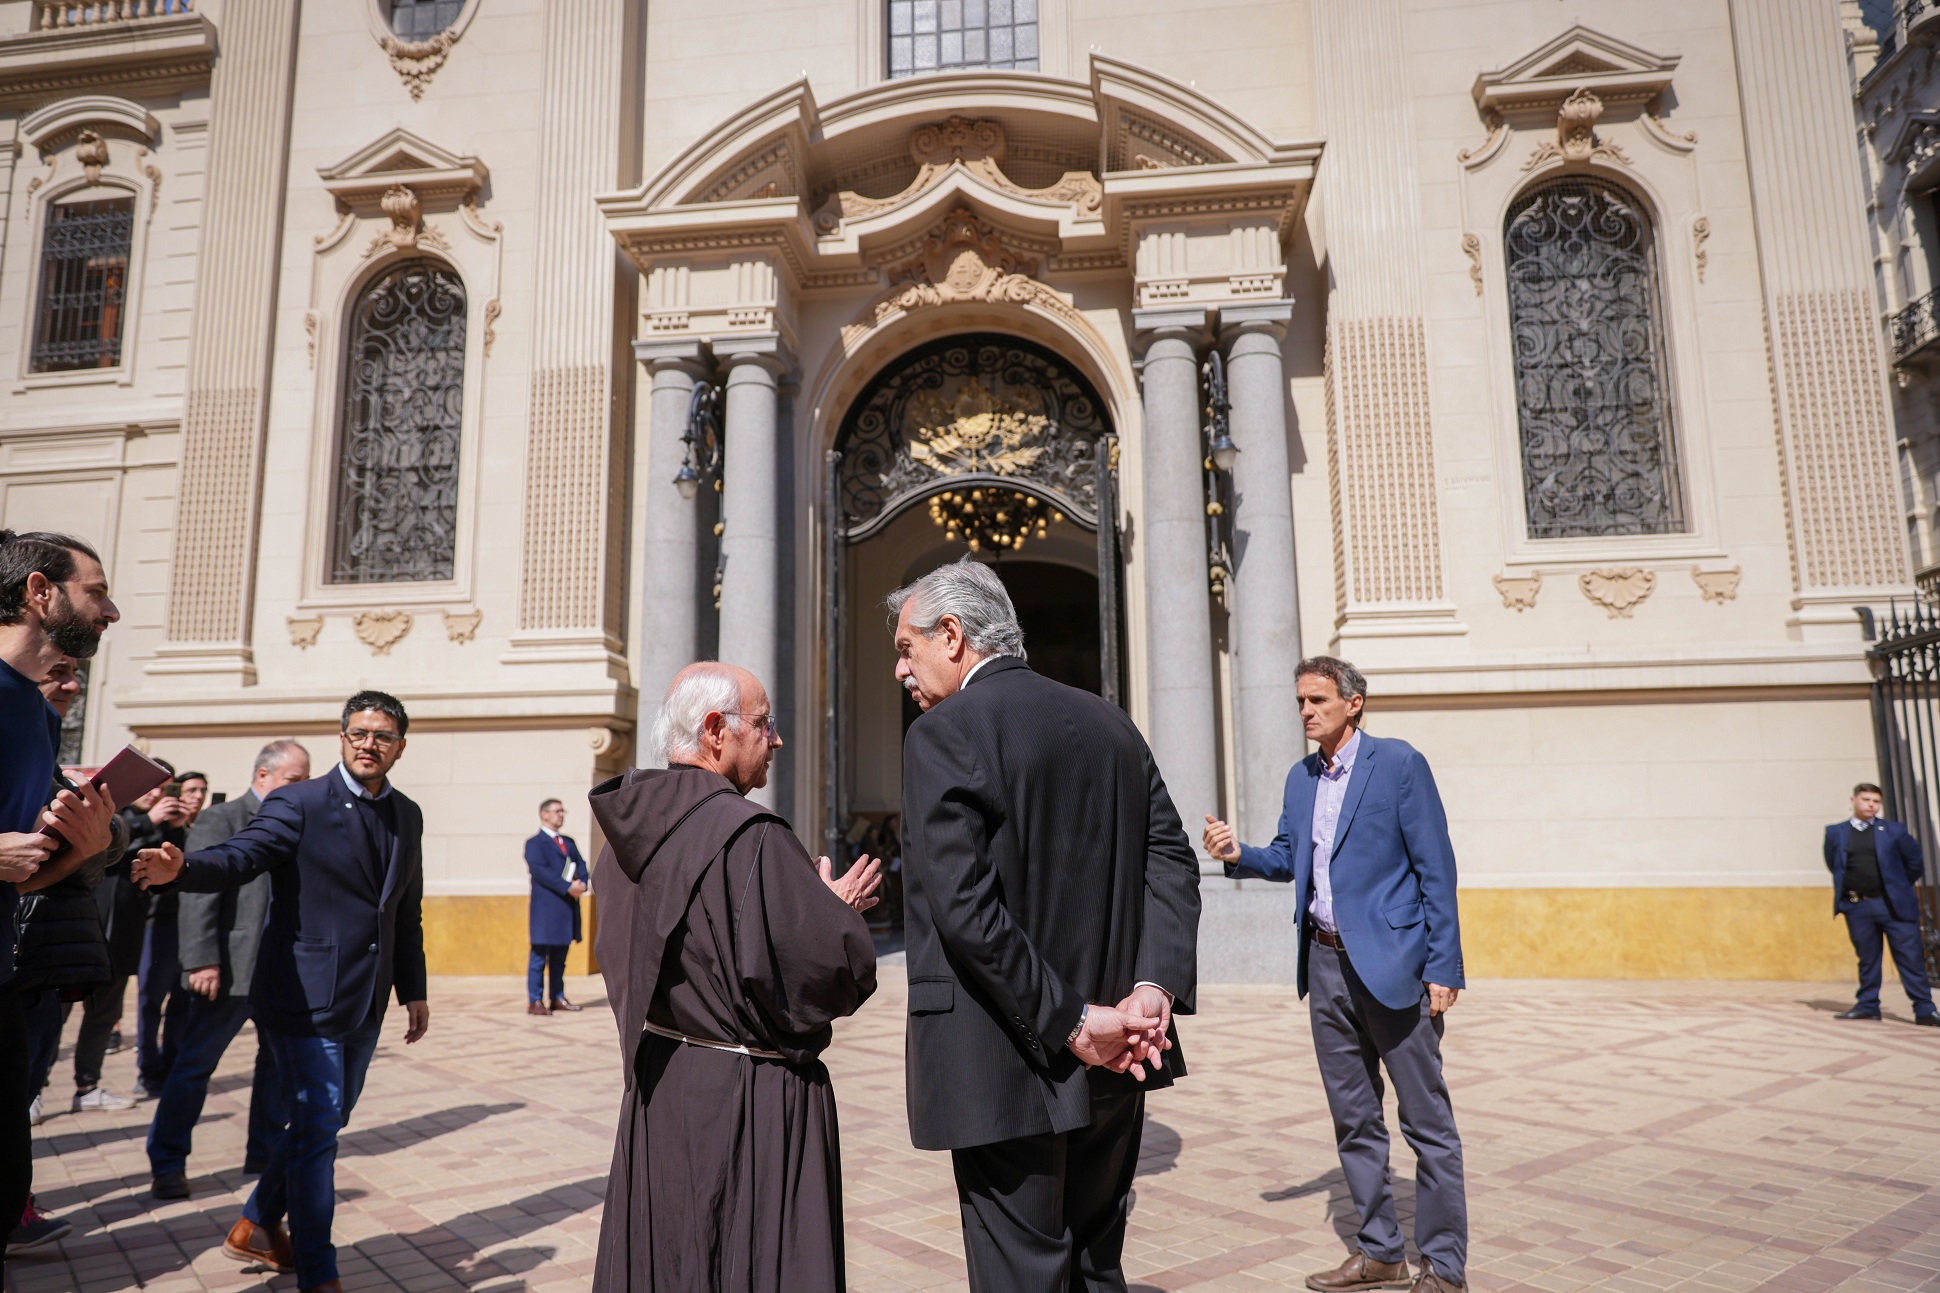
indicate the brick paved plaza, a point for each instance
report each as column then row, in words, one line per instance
column 1622, row 1136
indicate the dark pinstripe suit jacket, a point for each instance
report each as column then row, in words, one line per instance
column 1045, row 867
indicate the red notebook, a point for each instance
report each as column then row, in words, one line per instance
column 128, row 776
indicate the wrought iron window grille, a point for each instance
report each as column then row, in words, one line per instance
column 83, row 286
column 703, row 441
column 1221, row 452
column 1598, row 441
column 396, row 513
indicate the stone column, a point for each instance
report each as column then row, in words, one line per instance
column 1265, row 635
column 750, row 588
column 671, row 549
column 212, row 577
column 1829, row 371
column 1172, row 547
column 571, row 590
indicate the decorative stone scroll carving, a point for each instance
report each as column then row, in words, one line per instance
column 492, row 311
column 1482, row 152
column 606, row 743
column 1576, row 138
column 963, row 260
column 463, row 626
column 1718, row 586
column 417, row 61
column 1677, row 141
column 979, row 148
column 310, row 318
column 1700, row 234
column 381, row 630
column 407, row 228
column 1472, row 248
column 1617, row 591
column 1518, row 591
column 91, row 150
column 304, row 631
column 154, row 174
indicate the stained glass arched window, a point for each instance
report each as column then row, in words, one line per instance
column 397, row 458
column 1599, row 447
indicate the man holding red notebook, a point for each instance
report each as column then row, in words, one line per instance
column 53, row 603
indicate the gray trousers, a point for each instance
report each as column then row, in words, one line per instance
column 1354, row 1035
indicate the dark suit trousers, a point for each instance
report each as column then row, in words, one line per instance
column 1354, row 1036
column 16, row 1136
column 1868, row 922
column 1046, row 1214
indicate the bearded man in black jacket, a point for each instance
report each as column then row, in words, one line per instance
column 1052, row 907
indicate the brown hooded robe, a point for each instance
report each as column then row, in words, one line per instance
column 713, row 922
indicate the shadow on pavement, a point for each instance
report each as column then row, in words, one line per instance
column 386, row 1137
column 1158, row 1149
column 68, row 1142
column 1341, row 1213
column 452, row 1247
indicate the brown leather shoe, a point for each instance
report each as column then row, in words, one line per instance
column 251, row 1244
column 560, row 1003
column 1429, row 1282
column 1361, row 1272
column 536, row 1009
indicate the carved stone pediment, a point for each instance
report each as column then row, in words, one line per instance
column 770, row 172
column 401, row 159
column 962, row 260
column 1616, row 71
column 975, row 146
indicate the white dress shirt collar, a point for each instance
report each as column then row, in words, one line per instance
column 356, row 787
column 973, row 670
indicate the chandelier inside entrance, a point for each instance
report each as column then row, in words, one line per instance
column 992, row 517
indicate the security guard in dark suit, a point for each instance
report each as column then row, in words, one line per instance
column 1875, row 864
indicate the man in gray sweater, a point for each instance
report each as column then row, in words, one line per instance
column 220, row 934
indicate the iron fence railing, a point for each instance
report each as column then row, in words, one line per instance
column 1916, row 326
column 1905, row 663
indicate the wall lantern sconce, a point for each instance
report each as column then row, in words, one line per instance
column 1221, row 453
column 701, row 461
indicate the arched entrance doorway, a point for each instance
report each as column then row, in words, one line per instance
column 982, row 443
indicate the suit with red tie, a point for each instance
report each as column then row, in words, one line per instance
column 553, row 925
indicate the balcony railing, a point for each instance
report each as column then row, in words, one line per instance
column 60, row 14
column 1905, row 15
column 1916, row 327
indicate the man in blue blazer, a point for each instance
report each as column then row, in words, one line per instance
column 1875, row 864
column 345, row 929
column 1364, row 842
column 558, row 878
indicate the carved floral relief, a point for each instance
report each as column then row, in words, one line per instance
column 1617, row 591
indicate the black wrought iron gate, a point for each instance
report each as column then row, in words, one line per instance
column 1905, row 662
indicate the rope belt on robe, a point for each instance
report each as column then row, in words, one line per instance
column 673, row 1036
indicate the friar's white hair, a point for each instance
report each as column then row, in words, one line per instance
column 698, row 690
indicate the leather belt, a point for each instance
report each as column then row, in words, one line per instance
column 1325, row 938
column 673, row 1036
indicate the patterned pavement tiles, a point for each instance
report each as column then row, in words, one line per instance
column 1728, row 1137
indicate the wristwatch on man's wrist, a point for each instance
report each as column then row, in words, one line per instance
column 1079, row 1027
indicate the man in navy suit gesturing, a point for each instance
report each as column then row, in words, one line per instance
column 558, row 878
column 345, row 929
column 1875, row 864
column 1364, row 841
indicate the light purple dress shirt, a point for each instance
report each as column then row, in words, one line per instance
column 1328, row 796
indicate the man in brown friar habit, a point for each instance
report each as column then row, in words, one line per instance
column 727, row 953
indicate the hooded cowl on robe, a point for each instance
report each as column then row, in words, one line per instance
column 714, row 923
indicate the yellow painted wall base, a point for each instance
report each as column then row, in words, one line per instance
column 486, row 934
column 1741, row 933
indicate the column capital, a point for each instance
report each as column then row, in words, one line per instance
column 766, row 350
column 1269, row 317
column 687, row 356
column 1189, row 322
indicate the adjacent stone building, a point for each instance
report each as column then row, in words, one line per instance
column 507, row 355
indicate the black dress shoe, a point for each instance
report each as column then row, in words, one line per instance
column 1927, row 1021
column 169, row 1185
column 1857, row 1012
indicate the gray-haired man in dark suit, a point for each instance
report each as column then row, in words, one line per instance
column 220, row 934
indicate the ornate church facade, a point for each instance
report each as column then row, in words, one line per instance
column 507, row 355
